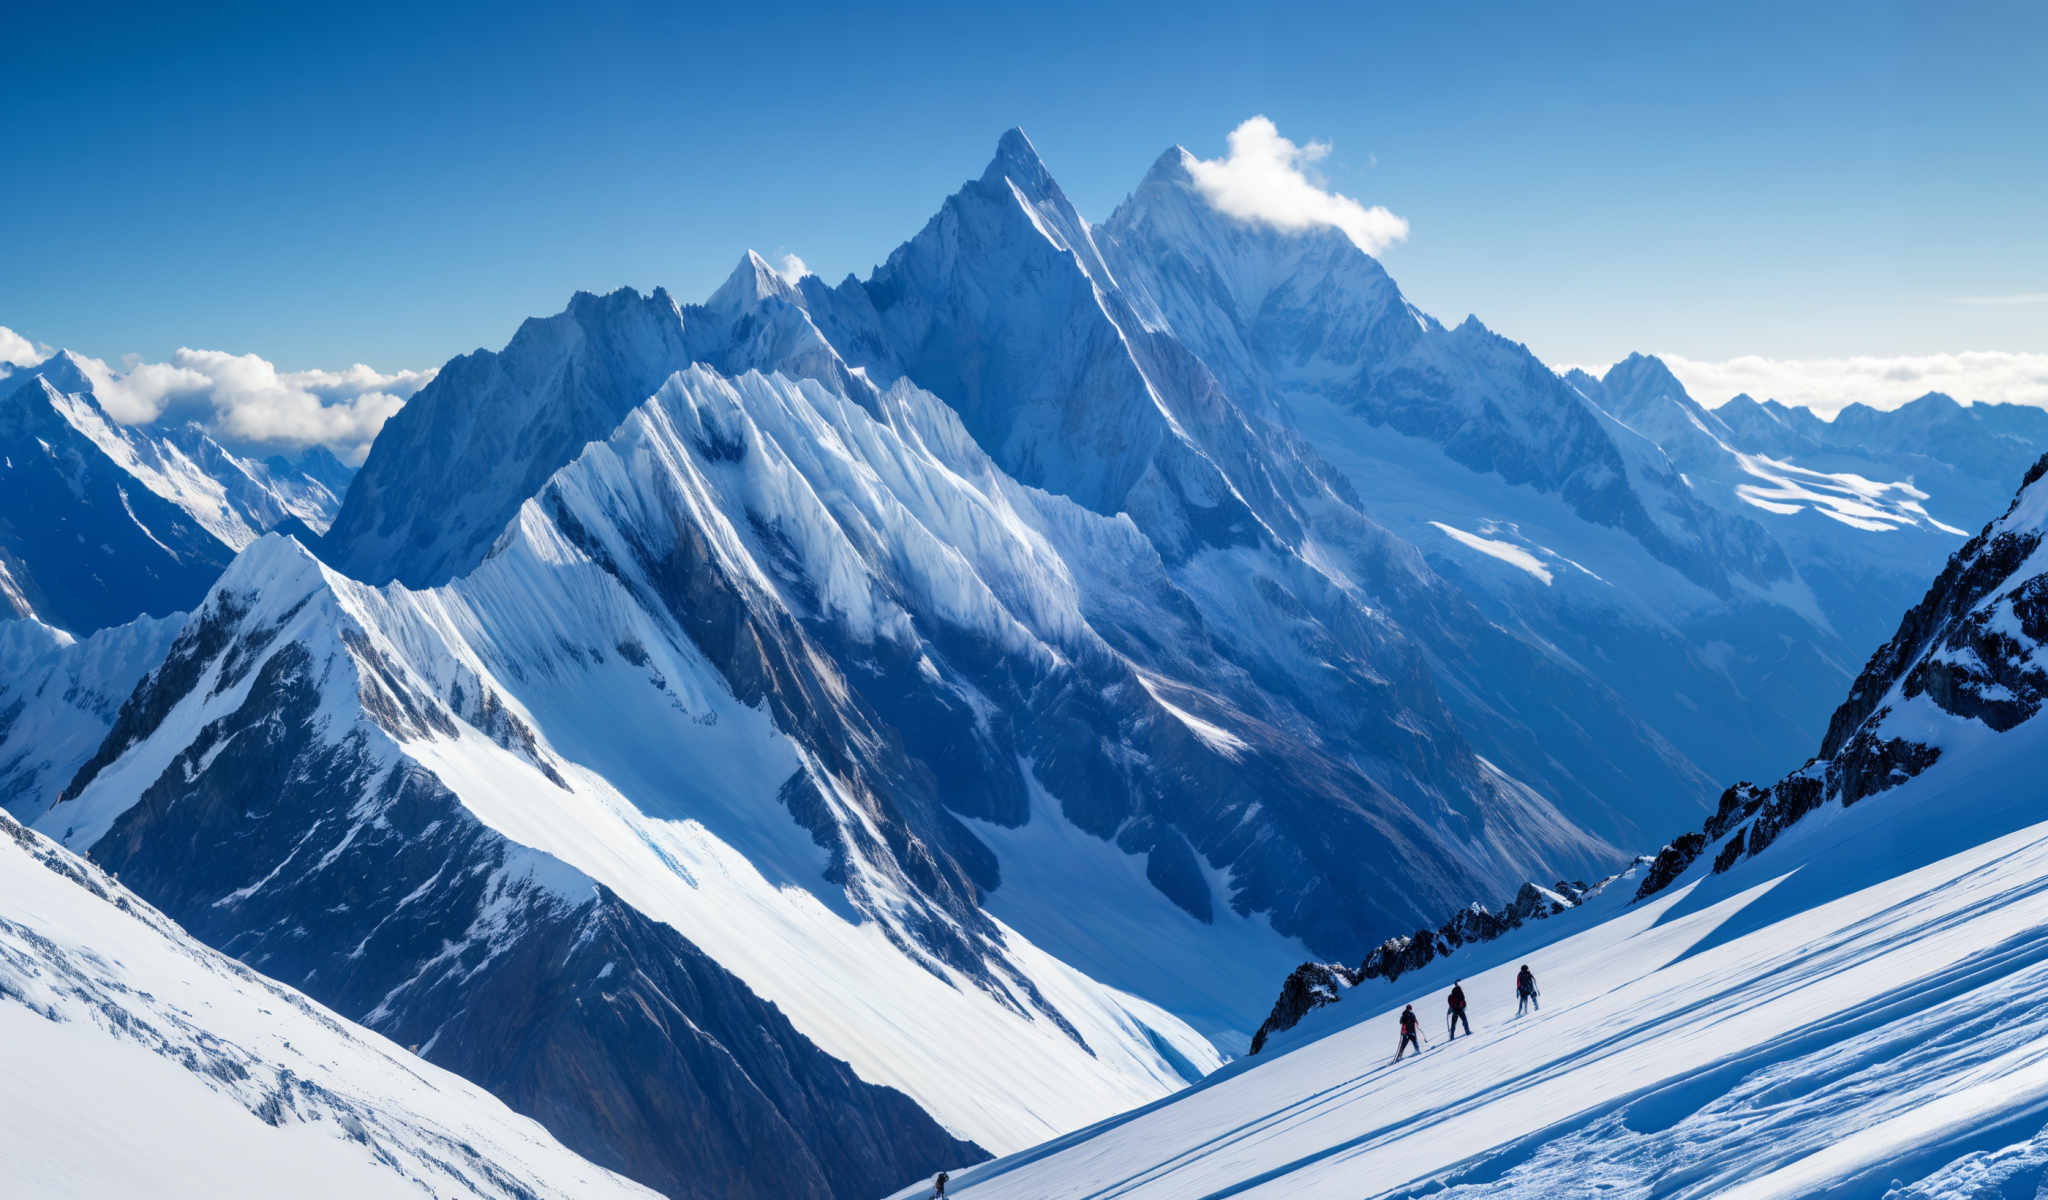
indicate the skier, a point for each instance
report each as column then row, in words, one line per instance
column 1525, row 990
column 939, row 1186
column 1456, row 1016
column 1411, row 1033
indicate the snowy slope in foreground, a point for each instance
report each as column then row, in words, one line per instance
column 1860, row 1006
column 138, row 1062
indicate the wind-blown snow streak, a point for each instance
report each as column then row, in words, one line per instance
column 1506, row 552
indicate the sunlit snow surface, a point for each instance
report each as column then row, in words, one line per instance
column 1860, row 1011
column 136, row 1062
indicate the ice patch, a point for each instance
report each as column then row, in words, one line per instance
column 1506, row 552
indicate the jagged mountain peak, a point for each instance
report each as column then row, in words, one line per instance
column 1017, row 172
column 448, row 471
column 753, row 282
column 1639, row 369
column 65, row 372
column 1171, row 167
column 587, row 304
column 1639, row 386
column 1940, row 402
column 275, row 562
column 1018, row 159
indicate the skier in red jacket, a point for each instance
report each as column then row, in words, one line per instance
column 1456, row 1016
column 1411, row 1033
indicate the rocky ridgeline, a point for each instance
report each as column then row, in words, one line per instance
column 1315, row 984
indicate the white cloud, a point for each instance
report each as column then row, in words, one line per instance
column 1828, row 385
column 246, row 399
column 1263, row 179
column 2009, row 300
column 791, row 268
column 18, row 351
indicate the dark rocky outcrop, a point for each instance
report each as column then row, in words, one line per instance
column 1311, row 986
column 1670, row 863
column 1315, row 984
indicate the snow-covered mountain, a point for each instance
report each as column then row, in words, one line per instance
column 643, row 683
column 140, row 1062
column 860, row 727
column 332, row 783
column 1583, row 512
column 1834, row 989
column 103, row 522
column 85, row 542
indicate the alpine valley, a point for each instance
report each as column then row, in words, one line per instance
column 788, row 745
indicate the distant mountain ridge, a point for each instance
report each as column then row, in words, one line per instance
column 104, row 522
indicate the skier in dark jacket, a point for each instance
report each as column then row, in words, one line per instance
column 1456, row 1016
column 1525, row 990
column 939, row 1185
column 1411, row 1033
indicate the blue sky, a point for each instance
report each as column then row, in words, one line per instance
column 368, row 184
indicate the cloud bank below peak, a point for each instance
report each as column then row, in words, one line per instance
column 242, row 398
column 1828, row 385
column 1266, row 178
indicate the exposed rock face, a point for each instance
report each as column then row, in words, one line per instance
column 1311, row 986
column 1670, row 863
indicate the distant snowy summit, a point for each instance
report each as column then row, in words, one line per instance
column 104, row 522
